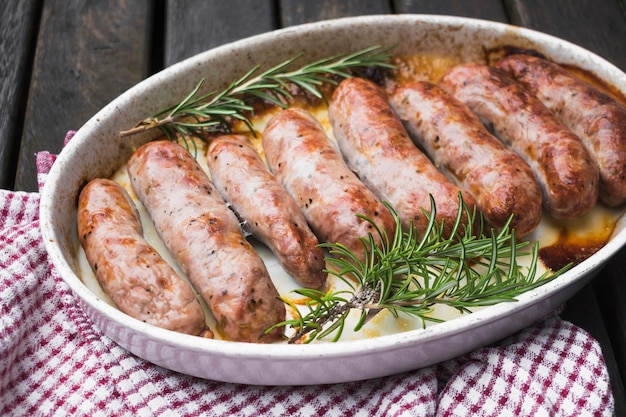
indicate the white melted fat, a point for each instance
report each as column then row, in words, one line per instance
column 384, row 323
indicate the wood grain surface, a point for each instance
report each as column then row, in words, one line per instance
column 295, row 12
column 194, row 26
column 20, row 20
column 482, row 9
column 87, row 53
column 578, row 22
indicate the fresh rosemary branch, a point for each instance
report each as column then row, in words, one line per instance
column 199, row 114
column 410, row 274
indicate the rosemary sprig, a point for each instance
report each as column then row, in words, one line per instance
column 199, row 114
column 411, row 274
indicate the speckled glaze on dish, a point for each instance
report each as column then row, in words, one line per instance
column 97, row 150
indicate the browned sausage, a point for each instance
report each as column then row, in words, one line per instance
column 204, row 236
column 378, row 148
column 564, row 169
column 311, row 169
column 269, row 212
column 502, row 183
column 130, row 271
column 595, row 117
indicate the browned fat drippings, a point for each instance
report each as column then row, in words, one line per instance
column 421, row 67
column 570, row 249
column 592, row 79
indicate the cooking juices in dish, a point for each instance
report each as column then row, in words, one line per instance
column 280, row 278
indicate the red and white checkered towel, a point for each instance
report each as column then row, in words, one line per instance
column 54, row 361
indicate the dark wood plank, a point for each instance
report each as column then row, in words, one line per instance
column 597, row 25
column 20, row 20
column 482, row 9
column 87, row 54
column 295, row 12
column 194, row 26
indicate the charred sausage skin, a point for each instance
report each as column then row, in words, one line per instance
column 269, row 212
column 129, row 270
column 595, row 117
column 311, row 169
column 455, row 139
column 205, row 238
column 377, row 147
column 564, row 169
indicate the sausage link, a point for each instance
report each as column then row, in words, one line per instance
column 564, row 169
column 595, row 117
column 329, row 195
column 130, row 271
column 269, row 212
column 204, row 236
column 378, row 148
column 500, row 181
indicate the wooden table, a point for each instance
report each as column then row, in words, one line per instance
column 62, row 60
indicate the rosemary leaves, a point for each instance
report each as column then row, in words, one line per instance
column 199, row 114
column 410, row 274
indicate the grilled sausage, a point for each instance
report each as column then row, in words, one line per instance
column 564, row 169
column 205, row 238
column 500, row 181
column 595, row 117
column 130, row 271
column 269, row 212
column 311, row 169
column 378, row 148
